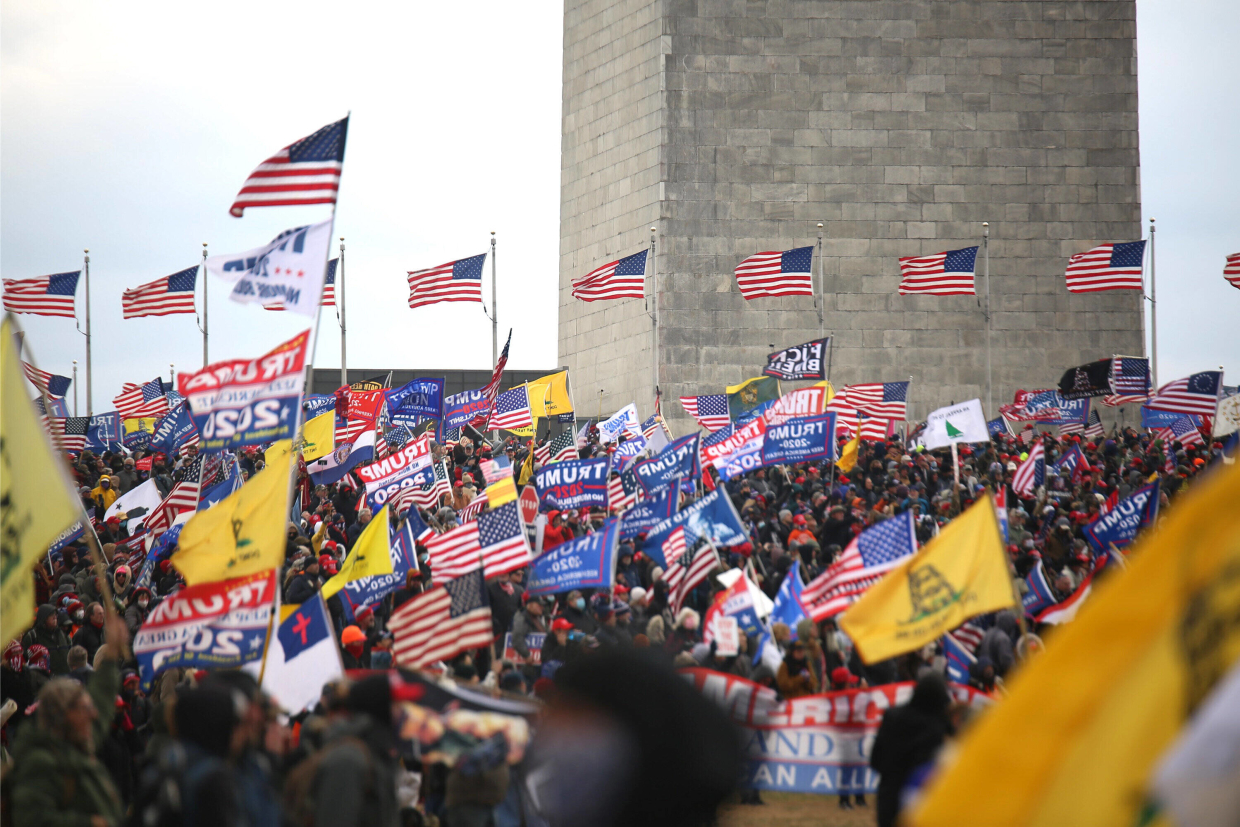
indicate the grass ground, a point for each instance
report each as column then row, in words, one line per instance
column 796, row 810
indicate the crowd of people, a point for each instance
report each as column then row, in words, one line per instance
column 86, row 743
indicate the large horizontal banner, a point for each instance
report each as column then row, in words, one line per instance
column 573, row 483
column 406, row 468
column 800, row 440
column 813, row 744
column 677, row 461
column 247, row 401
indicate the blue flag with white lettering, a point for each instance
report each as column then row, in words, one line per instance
column 104, row 432
column 679, row 460
column 588, row 562
column 416, row 401
column 1121, row 524
column 370, row 590
column 573, row 483
column 647, row 512
column 800, row 439
column 461, row 408
column 174, row 430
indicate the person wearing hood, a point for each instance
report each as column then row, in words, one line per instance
column 122, row 585
column 103, row 496
column 528, row 621
column 796, row 677
column 982, row 675
column 15, row 678
column 46, row 633
column 555, row 533
column 908, row 738
column 90, row 636
column 576, row 614
column 999, row 641
column 138, row 609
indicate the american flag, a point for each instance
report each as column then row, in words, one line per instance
column 1031, row 473
column 885, row 400
column 137, row 401
column 452, row 437
column 491, row 389
column 623, row 490
column 328, row 298
column 942, row 274
column 304, row 172
column 623, row 279
column 685, row 569
column 70, row 431
column 49, row 383
column 1130, row 380
column 441, row 622
column 182, row 497
column 397, row 437
column 43, row 296
column 1111, row 266
column 1231, row 270
column 1095, row 430
column 968, row 635
column 559, row 448
column 871, row 554
column 849, row 420
column 1183, row 430
column 511, row 410
column 427, row 496
column 711, row 412
column 456, row 281
column 473, row 509
column 495, row 541
column 784, row 273
column 162, row 297
column 1197, row 394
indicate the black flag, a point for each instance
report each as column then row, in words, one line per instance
column 800, row 361
column 1093, row 379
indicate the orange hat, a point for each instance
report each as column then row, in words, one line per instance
column 352, row 634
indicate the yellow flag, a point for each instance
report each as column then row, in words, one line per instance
column 558, row 400
column 1085, row 722
column 848, row 454
column 146, row 423
column 319, row 435
column 501, row 491
column 245, row 532
column 538, row 399
column 830, row 390
column 371, row 554
column 34, row 493
column 527, row 468
column 960, row 573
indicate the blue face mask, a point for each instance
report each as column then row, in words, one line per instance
column 579, row 604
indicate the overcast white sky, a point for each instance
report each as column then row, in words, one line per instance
column 128, row 128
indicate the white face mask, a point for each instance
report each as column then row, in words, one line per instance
column 143, row 602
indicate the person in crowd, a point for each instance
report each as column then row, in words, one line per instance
column 796, row 677
column 47, row 633
column 909, row 738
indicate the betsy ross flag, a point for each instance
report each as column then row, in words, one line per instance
column 327, row 298
column 942, row 274
column 442, row 622
column 162, row 297
column 43, row 296
column 885, row 400
column 685, row 569
column 623, row 490
column 511, row 410
column 622, row 279
column 1130, row 380
column 1183, row 430
column 304, row 172
column 784, row 273
column 1031, row 473
column 137, row 401
column 494, row 542
column 871, row 554
column 1112, row 266
column 1231, row 270
column 1197, row 394
column 711, row 411
column 49, row 383
column 456, row 281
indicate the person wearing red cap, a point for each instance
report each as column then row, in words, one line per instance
column 559, row 647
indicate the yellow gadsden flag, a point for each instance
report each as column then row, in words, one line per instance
column 960, row 573
column 245, row 532
column 371, row 554
column 1085, row 723
column 848, row 454
column 558, row 400
column 34, row 493
column 319, row 437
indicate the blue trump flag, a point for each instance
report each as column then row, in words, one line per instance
column 461, row 408
column 370, row 590
column 415, row 401
column 1153, row 419
column 958, row 660
column 713, row 517
column 1121, row 524
column 104, row 432
column 1040, row 595
column 629, row 450
column 646, row 513
column 800, row 439
column 573, row 483
column 317, row 404
column 788, row 606
column 588, row 562
column 1073, row 463
column 174, row 430
column 679, row 460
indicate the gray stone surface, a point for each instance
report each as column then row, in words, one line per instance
column 735, row 126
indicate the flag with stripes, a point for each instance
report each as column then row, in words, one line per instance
column 327, row 297
column 511, row 410
column 1130, row 380
column 784, row 273
column 959, row 659
column 304, row 172
column 182, row 497
column 1111, row 266
column 685, row 569
column 850, row 421
column 1031, row 473
column 1184, row 431
column 941, row 274
column 472, row 509
column 442, row 622
column 1196, row 394
column 49, row 383
column 494, row 542
column 561, row 447
column 1231, row 270
column 43, row 296
column 1094, row 430
column 162, row 297
column 456, row 281
column 871, row 554
column 623, row 489
column 969, row 635
column 622, row 279
column 711, row 411
column 885, row 400
column 138, row 401
column 427, row 496
column 70, row 431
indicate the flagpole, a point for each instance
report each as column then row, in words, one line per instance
column 89, row 404
column 75, row 395
column 494, row 313
column 1153, row 311
column 205, row 324
column 344, row 363
column 990, row 401
column 654, row 315
column 822, row 283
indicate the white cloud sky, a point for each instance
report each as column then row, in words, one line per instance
column 128, row 128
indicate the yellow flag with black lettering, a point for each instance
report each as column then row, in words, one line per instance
column 371, row 555
column 960, row 573
column 35, row 505
column 245, row 532
column 1087, row 721
column 848, row 454
column 319, row 437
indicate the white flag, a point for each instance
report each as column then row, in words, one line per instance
column 288, row 272
column 301, row 656
column 1228, row 418
column 956, row 423
column 625, row 419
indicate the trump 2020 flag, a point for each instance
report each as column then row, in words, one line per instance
column 302, row 656
column 588, row 562
column 288, row 271
column 1120, row 525
column 574, row 483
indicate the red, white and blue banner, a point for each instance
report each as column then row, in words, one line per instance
column 462, row 408
column 406, row 468
column 574, row 483
column 801, row 439
column 814, row 744
column 747, row 455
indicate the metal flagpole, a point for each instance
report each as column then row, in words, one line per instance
column 75, row 408
column 344, row 362
column 1153, row 312
column 89, row 404
column 205, row 323
column 990, row 401
column 494, row 313
column 822, row 283
column 654, row 315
